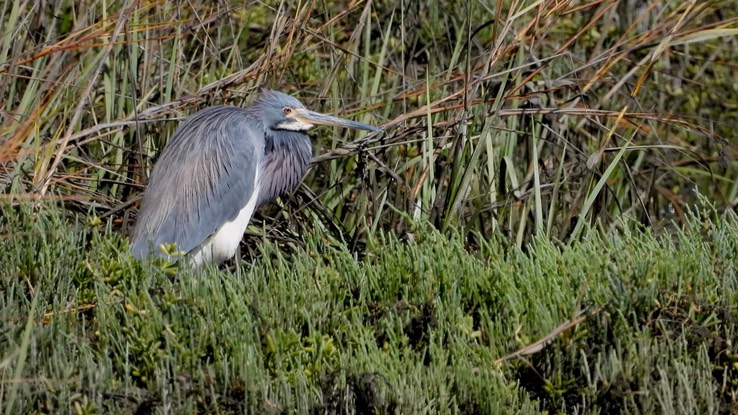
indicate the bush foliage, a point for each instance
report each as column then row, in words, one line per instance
column 630, row 323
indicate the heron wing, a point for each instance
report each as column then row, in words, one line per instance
column 204, row 177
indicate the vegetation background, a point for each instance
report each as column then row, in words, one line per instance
column 541, row 160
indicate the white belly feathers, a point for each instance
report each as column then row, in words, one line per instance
column 222, row 245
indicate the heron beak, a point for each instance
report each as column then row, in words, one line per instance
column 316, row 118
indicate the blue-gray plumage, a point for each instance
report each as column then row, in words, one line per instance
column 220, row 165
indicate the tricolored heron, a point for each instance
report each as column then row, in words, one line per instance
column 220, row 165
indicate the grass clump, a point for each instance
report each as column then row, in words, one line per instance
column 624, row 323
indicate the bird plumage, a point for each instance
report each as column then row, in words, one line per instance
column 221, row 165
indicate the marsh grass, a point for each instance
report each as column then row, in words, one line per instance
column 632, row 324
column 522, row 118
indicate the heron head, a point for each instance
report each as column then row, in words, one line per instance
column 283, row 112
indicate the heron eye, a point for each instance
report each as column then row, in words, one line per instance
column 286, row 110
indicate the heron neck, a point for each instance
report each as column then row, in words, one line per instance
column 286, row 159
